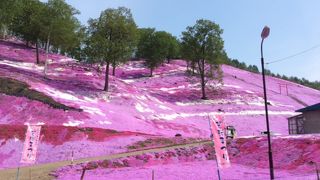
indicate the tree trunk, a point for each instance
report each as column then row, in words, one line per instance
column 113, row 70
column 193, row 67
column 27, row 43
column 168, row 60
column 203, row 84
column 106, row 85
column 151, row 72
column 203, row 87
column 187, row 65
column 37, row 52
column 3, row 31
column 48, row 45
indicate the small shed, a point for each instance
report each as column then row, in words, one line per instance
column 308, row 122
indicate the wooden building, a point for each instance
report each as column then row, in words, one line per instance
column 308, row 122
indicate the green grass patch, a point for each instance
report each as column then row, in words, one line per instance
column 16, row 88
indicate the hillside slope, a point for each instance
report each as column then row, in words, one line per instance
column 136, row 107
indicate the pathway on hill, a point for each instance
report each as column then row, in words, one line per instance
column 41, row 171
column 298, row 100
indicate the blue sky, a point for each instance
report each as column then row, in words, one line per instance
column 295, row 26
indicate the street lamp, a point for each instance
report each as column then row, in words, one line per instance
column 264, row 34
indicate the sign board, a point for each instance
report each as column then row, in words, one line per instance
column 31, row 144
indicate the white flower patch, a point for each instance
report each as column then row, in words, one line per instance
column 155, row 99
column 104, row 122
column 140, row 108
column 233, row 86
column 173, row 88
column 171, row 117
column 73, row 123
column 54, row 74
column 164, row 107
column 23, row 65
column 132, row 68
column 88, row 73
column 257, row 102
column 66, row 60
column 195, row 85
column 62, row 95
column 206, row 102
column 178, row 69
column 91, row 100
column 16, row 139
column 299, row 136
column 92, row 110
column 250, row 92
column 37, row 124
column 261, row 112
column 59, row 69
column 105, row 97
column 144, row 98
column 128, row 80
column 122, row 95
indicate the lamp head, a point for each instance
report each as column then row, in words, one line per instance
column 265, row 32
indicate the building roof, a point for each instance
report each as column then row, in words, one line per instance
column 314, row 107
column 296, row 116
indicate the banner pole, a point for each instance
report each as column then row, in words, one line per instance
column 152, row 174
column 17, row 176
column 211, row 136
column 18, row 171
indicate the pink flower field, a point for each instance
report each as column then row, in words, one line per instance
column 138, row 107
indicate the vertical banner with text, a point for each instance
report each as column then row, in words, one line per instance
column 31, row 144
column 218, row 131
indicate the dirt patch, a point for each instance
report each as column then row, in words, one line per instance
column 13, row 87
column 162, row 141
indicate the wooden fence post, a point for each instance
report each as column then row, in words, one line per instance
column 317, row 171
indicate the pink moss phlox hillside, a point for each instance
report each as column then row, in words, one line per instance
column 149, row 159
column 166, row 104
column 248, row 160
column 298, row 153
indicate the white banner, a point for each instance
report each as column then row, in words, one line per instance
column 31, row 144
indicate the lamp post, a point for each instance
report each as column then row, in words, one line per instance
column 264, row 34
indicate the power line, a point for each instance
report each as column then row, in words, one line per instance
column 294, row 55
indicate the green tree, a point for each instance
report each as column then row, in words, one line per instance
column 152, row 47
column 253, row 68
column 188, row 55
column 8, row 8
column 112, row 38
column 60, row 26
column 144, row 35
column 52, row 22
column 173, row 46
column 204, row 42
column 27, row 22
column 76, row 51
